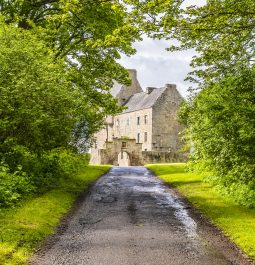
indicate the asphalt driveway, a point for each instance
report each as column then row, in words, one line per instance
column 130, row 217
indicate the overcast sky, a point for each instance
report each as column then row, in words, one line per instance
column 156, row 67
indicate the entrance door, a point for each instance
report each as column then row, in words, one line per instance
column 123, row 159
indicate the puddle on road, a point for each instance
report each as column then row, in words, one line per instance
column 166, row 199
column 145, row 182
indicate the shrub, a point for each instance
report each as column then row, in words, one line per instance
column 13, row 186
column 38, row 174
column 221, row 128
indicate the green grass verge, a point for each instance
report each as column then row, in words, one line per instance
column 237, row 222
column 24, row 228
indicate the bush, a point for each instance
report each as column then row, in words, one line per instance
column 38, row 174
column 221, row 128
column 13, row 186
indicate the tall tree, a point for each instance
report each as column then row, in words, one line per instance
column 89, row 36
column 221, row 32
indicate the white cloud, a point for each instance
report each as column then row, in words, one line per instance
column 156, row 67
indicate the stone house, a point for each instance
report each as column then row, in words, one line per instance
column 147, row 131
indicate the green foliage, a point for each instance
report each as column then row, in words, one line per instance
column 38, row 174
column 57, row 65
column 220, row 31
column 221, row 127
column 237, row 222
column 39, row 106
column 13, row 186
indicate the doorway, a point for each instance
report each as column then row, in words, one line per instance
column 123, row 159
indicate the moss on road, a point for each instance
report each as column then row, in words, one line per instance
column 22, row 229
column 236, row 221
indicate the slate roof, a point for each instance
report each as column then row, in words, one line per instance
column 143, row 100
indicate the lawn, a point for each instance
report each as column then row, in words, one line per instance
column 23, row 229
column 237, row 222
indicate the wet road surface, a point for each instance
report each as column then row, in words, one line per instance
column 131, row 218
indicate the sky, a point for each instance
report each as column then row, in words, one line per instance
column 156, row 67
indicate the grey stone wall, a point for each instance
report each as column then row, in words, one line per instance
column 166, row 129
column 127, row 91
column 111, row 151
column 154, row 157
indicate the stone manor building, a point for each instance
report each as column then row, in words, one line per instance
column 147, row 131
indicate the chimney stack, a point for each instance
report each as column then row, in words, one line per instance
column 170, row 85
column 149, row 89
column 132, row 73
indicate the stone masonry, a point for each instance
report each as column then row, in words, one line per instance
column 147, row 131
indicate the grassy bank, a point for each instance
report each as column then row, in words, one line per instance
column 22, row 229
column 236, row 221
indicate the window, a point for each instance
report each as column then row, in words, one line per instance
column 124, row 144
column 145, row 119
column 145, row 137
column 138, row 120
column 138, row 138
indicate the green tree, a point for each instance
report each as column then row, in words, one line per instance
column 221, row 125
column 220, row 31
column 89, row 36
column 39, row 107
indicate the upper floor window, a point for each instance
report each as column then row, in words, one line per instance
column 145, row 119
column 145, row 137
column 138, row 138
column 138, row 120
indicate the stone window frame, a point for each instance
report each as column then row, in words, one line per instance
column 138, row 138
column 145, row 137
column 145, row 119
column 138, row 120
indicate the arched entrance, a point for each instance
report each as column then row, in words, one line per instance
column 123, row 159
column 122, row 152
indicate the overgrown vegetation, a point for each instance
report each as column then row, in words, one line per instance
column 23, row 228
column 221, row 127
column 236, row 221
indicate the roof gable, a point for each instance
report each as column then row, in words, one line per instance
column 143, row 100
